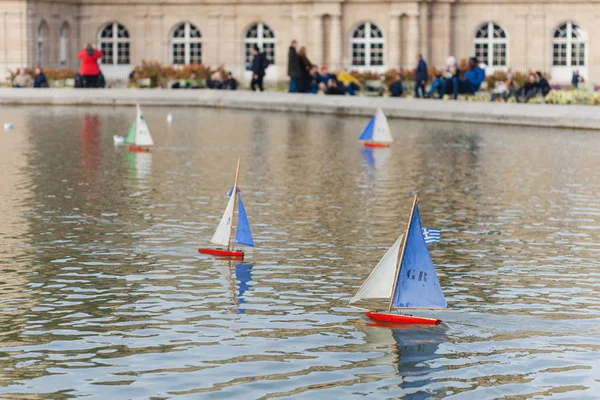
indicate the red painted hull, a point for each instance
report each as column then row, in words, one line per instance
column 222, row 253
column 402, row 319
column 375, row 145
column 138, row 149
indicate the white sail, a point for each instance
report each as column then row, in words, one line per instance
column 223, row 231
column 381, row 130
column 142, row 133
column 380, row 283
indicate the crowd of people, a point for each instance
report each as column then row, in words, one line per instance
column 216, row 81
column 536, row 84
column 306, row 77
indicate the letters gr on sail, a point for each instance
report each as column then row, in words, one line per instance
column 416, row 285
column 377, row 130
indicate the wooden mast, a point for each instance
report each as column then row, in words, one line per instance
column 399, row 265
column 234, row 194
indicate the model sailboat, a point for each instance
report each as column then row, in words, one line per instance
column 138, row 138
column 377, row 132
column 405, row 277
column 223, row 234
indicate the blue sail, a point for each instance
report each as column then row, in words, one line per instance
column 243, row 234
column 418, row 284
column 368, row 132
column 243, row 273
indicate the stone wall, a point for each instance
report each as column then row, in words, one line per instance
column 435, row 28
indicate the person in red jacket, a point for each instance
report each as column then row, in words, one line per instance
column 89, row 69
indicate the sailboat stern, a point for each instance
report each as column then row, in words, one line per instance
column 376, row 145
column 222, row 253
column 402, row 319
column 138, row 149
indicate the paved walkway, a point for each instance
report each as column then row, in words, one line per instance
column 544, row 115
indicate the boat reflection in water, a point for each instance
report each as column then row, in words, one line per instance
column 243, row 277
column 414, row 349
column 418, row 345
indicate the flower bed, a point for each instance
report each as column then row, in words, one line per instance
column 158, row 73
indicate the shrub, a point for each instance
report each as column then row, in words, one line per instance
column 157, row 73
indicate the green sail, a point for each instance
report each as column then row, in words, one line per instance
column 130, row 139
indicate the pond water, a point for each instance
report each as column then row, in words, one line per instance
column 103, row 294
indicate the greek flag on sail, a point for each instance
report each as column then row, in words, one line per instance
column 432, row 235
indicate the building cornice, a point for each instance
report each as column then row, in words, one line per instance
column 286, row 2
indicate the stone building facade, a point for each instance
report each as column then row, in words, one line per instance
column 368, row 35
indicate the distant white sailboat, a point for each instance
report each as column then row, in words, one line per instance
column 377, row 132
column 138, row 138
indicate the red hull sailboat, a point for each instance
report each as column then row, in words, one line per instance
column 406, row 278
column 223, row 234
column 377, row 132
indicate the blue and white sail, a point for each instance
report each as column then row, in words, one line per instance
column 243, row 235
column 377, row 130
column 417, row 283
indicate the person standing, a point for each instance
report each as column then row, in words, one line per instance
column 421, row 77
column 259, row 64
column 305, row 66
column 576, row 79
column 89, row 69
column 294, row 71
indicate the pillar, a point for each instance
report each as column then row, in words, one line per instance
column 412, row 43
column 335, row 43
column 315, row 50
column 210, row 45
column 230, row 47
column 394, row 42
column 424, row 27
column 440, row 34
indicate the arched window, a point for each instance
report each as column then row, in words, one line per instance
column 262, row 36
column 42, row 34
column 64, row 44
column 568, row 46
column 186, row 44
column 367, row 45
column 491, row 45
column 114, row 43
